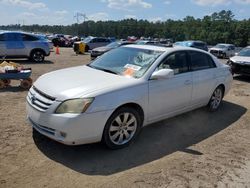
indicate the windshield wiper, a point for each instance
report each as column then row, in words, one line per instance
column 107, row 70
column 102, row 69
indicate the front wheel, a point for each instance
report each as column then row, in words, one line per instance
column 121, row 128
column 216, row 99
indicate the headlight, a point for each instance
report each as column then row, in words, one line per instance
column 74, row 106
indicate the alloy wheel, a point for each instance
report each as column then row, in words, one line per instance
column 123, row 128
column 216, row 98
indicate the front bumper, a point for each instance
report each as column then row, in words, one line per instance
column 238, row 68
column 69, row 129
column 95, row 54
column 218, row 53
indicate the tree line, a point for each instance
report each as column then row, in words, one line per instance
column 220, row 27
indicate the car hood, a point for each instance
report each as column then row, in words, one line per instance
column 218, row 49
column 241, row 59
column 81, row 81
column 102, row 49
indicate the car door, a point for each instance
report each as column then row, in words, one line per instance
column 93, row 43
column 168, row 96
column 14, row 44
column 3, row 50
column 232, row 51
column 29, row 43
column 203, row 76
column 101, row 42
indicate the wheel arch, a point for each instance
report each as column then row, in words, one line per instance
column 134, row 106
column 223, row 88
column 107, row 140
column 37, row 49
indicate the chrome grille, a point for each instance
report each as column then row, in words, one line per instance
column 39, row 100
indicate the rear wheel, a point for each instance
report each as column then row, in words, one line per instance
column 26, row 83
column 6, row 82
column 86, row 48
column 2, row 84
column 216, row 99
column 121, row 128
column 37, row 56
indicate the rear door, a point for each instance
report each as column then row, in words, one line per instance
column 101, row 42
column 203, row 75
column 30, row 42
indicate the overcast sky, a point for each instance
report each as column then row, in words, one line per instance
column 62, row 11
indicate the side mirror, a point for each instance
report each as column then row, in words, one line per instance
column 236, row 54
column 162, row 74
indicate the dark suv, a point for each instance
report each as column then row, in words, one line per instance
column 195, row 44
column 23, row 45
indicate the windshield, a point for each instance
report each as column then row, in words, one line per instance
column 220, row 46
column 113, row 45
column 244, row 52
column 132, row 62
column 87, row 40
column 141, row 42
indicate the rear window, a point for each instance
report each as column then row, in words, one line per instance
column 200, row 61
column 199, row 44
column 26, row 37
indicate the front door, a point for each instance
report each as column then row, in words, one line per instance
column 171, row 95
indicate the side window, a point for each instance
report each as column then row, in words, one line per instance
column 232, row 48
column 12, row 37
column 211, row 61
column 94, row 40
column 200, row 61
column 2, row 37
column 28, row 37
column 176, row 61
column 107, row 40
column 102, row 40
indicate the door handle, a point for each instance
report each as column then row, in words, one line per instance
column 187, row 82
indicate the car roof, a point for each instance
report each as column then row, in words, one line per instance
column 20, row 32
column 198, row 41
column 225, row 44
column 163, row 48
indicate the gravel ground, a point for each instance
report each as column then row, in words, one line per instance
column 196, row 149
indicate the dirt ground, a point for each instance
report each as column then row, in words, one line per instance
column 196, row 149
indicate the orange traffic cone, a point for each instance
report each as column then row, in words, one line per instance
column 57, row 50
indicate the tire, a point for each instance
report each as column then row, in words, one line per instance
column 216, row 98
column 2, row 84
column 7, row 82
column 37, row 56
column 86, row 48
column 26, row 83
column 121, row 128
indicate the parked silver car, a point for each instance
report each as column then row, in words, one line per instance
column 223, row 50
column 94, row 42
column 24, row 45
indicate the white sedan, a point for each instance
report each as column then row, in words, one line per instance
column 113, row 97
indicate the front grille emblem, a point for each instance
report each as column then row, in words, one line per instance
column 33, row 98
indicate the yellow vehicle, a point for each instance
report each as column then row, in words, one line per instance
column 79, row 47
